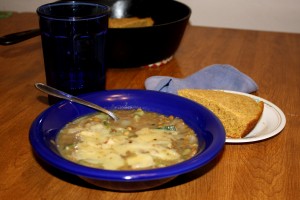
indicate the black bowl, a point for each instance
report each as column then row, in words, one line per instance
column 142, row 46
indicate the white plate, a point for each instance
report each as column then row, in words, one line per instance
column 270, row 124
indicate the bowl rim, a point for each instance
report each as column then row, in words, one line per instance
column 209, row 153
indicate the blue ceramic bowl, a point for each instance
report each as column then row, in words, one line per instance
column 210, row 133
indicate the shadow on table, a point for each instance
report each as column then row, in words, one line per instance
column 22, row 49
column 192, row 175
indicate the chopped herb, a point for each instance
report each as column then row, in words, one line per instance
column 168, row 128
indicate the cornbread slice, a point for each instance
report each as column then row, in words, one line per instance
column 130, row 22
column 239, row 114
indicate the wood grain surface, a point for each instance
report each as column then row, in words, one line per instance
column 268, row 169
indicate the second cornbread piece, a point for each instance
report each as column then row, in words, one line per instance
column 239, row 114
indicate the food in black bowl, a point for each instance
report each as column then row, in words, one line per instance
column 141, row 46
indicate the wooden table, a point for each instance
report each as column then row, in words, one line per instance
column 264, row 170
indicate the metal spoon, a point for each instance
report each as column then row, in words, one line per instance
column 60, row 94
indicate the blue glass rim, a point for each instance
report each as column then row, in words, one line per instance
column 209, row 153
column 103, row 10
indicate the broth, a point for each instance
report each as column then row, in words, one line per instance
column 138, row 140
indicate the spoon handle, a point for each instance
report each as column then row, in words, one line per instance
column 60, row 94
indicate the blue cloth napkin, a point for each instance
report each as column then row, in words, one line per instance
column 217, row 76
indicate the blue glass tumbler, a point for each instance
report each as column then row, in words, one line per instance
column 73, row 40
